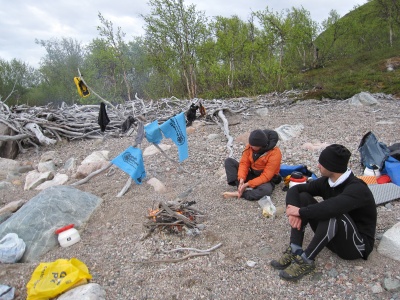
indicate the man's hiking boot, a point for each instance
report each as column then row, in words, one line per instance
column 298, row 268
column 285, row 260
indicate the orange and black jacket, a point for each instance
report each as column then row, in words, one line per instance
column 268, row 164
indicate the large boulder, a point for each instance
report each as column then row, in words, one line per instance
column 8, row 149
column 36, row 222
column 389, row 245
column 363, row 99
column 90, row 291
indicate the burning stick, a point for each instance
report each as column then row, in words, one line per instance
column 173, row 215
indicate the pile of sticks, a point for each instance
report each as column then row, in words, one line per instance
column 53, row 123
column 174, row 217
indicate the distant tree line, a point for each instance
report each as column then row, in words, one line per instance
column 185, row 54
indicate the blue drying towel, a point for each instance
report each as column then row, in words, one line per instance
column 175, row 129
column 131, row 162
column 153, row 133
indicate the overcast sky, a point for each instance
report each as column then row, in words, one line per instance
column 23, row 21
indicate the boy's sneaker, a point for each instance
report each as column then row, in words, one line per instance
column 298, row 268
column 284, row 261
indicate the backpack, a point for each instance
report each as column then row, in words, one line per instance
column 395, row 151
column 373, row 153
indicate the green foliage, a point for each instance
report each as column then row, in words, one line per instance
column 17, row 79
column 173, row 34
column 58, row 69
column 183, row 54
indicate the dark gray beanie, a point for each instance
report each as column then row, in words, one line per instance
column 335, row 158
column 258, row 138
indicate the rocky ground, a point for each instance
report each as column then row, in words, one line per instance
column 112, row 244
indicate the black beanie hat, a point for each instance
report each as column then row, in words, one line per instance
column 258, row 138
column 335, row 158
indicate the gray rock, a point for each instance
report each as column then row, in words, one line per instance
column 48, row 156
column 4, row 185
column 391, row 284
column 24, row 169
column 7, row 166
column 363, row 98
column 51, row 209
column 262, row 112
column 389, row 245
column 287, row 132
column 47, row 166
column 90, row 291
column 70, row 164
column 376, row 288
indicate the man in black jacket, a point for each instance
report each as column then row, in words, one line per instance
column 344, row 222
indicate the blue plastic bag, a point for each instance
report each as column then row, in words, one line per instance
column 12, row 248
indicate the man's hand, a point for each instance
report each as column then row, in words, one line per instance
column 295, row 222
column 294, row 217
column 292, row 211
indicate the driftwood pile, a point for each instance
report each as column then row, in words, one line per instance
column 33, row 126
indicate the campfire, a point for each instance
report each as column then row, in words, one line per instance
column 174, row 217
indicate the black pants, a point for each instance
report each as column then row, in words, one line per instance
column 340, row 234
column 231, row 169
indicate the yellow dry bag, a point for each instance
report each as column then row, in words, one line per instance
column 83, row 91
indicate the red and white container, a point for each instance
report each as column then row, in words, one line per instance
column 68, row 235
column 295, row 181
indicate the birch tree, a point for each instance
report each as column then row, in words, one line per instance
column 173, row 34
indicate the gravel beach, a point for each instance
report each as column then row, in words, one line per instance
column 121, row 260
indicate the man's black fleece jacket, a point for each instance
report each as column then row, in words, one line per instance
column 352, row 197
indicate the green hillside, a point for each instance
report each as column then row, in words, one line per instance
column 356, row 54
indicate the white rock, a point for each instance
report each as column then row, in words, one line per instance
column 213, row 136
column 153, row 149
column 362, row 98
column 59, row 179
column 96, row 156
column 389, row 245
column 157, row 185
column 251, row 263
column 286, row 132
column 262, row 112
column 34, row 178
column 87, row 168
column 90, row 291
